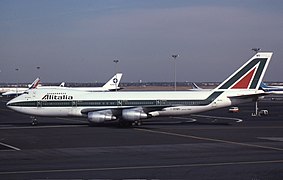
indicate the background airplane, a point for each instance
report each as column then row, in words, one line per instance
column 197, row 88
column 111, row 85
column 18, row 91
column 132, row 107
column 272, row 89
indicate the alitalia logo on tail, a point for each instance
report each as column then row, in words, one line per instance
column 249, row 76
column 245, row 81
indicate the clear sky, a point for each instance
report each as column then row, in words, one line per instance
column 77, row 40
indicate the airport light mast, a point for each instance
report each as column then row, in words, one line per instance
column 116, row 62
column 38, row 68
column 17, row 70
column 174, row 56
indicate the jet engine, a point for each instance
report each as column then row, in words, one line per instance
column 101, row 116
column 134, row 114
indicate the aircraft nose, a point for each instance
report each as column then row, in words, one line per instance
column 9, row 104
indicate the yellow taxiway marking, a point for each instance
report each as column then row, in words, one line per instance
column 144, row 167
column 210, row 139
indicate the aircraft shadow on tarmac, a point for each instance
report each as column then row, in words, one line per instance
column 160, row 122
column 115, row 124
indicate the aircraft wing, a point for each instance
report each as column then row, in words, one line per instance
column 131, row 113
column 117, row 110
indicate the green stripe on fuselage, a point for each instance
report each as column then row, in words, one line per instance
column 90, row 103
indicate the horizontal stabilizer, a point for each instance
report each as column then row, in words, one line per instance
column 248, row 96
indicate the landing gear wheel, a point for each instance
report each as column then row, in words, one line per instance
column 125, row 124
column 136, row 123
column 33, row 121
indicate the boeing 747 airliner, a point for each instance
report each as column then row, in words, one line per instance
column 132, row 107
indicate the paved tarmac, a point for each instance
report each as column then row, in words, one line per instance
column 212, row 145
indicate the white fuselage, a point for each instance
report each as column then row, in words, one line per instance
column 66, row 102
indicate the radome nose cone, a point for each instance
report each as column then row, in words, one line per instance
column 8, row 104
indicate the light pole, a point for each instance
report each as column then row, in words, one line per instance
column 174, row 56
column 38, row 68
column 17, row 69
column 115, row 80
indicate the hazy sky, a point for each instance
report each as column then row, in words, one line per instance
column 77, row 40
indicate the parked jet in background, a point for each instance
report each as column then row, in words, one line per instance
column 197, row 88
column 18, row 91
column 272, row 89
column 132, row 107
column 111, row 85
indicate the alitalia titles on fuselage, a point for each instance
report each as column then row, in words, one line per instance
column 54, row 96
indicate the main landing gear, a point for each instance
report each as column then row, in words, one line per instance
column 33, row 121
column 127, row 124
column 137, row 123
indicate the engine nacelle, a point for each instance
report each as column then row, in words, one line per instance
column 134, row 114
column 101, row 116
